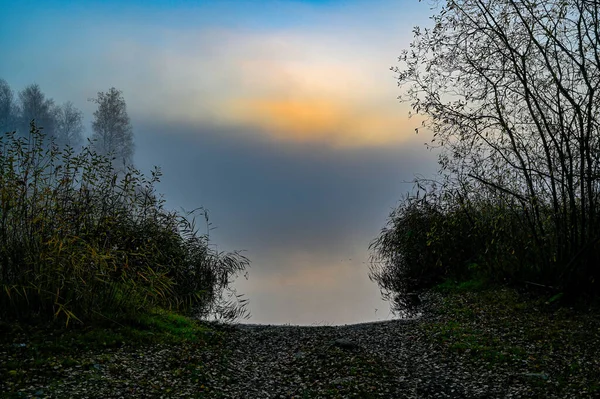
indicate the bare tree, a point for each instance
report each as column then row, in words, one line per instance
column 69, row 125
column 510, row 90
column 8, row 112
column 112, row 131
column 35, row 105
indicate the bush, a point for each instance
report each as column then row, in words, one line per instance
column 468, row 233
column 425, row 240
column 445, row 234
column 81, row 241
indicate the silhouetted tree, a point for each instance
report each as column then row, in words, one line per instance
column 69, row 125
column 511, row 91
column 8, row 111
column 112, row 131
column 35, row 105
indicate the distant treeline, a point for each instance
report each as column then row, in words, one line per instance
column 62, row 125
column 510, row 92
column 83, row 234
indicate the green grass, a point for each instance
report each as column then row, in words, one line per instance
column 525, row 333
column 151, row 328
column 454, row 286
column 169, row 326
column 50, row 351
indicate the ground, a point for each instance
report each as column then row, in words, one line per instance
column 491, row 343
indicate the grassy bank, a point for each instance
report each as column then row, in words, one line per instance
column 45, row 357
column 94, row 265
column 549, row 350
column 81, row 240
column 548, row 343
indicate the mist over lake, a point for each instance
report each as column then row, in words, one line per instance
column 218, row 199
column 305, row 215
column 280, row 119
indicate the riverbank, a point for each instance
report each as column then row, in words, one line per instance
column 486, row 344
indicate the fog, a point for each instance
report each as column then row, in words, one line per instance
column 303, row 215
column 282, row 120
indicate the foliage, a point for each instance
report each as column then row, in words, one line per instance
column 69, row 126
column 81, row 242
column 112, row 131
column 509, row 90
column 8, row 107
column 61, row 123
column 33, row 104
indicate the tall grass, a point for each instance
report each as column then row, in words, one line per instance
column 459, row 232
column 80, row 241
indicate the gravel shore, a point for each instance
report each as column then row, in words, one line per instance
column 391, row 359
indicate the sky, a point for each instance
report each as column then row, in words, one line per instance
column 279, row 117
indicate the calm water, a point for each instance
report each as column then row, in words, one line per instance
column 305, row 215
column 309, row 292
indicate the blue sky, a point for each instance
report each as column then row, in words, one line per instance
column 280, row 117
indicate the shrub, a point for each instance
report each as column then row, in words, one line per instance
column 79, row 240
column 439, row 233
column 459, row 232
column 426, row 239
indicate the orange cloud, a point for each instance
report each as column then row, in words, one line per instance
column 302, row 119
column 291, row 86
column 296, row 89
column 322, row 120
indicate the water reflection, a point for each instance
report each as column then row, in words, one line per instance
column 309, row 292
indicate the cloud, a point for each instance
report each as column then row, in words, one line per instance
column 273, row 197
column 331, row 121
column 289, row 86
column 321, row 76
column 316, row 88
column 279, row 117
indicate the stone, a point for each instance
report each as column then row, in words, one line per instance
column 345, row 343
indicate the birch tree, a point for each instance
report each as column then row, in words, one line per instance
column 8, row 112
column 35, row 106
column 69, row 125
column 112, row 131
column 510, row 91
